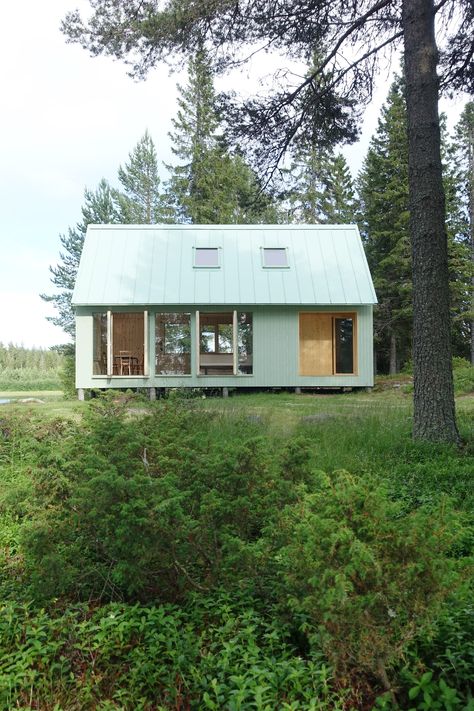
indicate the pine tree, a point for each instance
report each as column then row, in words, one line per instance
column 98, row 208
column 140, row 200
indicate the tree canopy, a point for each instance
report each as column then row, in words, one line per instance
column 350, row 40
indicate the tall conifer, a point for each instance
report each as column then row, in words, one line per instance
column 209, row 184
column 140, row 201
column 383, row 188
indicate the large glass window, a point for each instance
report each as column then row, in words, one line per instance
column 99, row 366
column 225, row 343
column 173, row 343
column 344, row 343
column 128, row 339
column 120, row 343
column 245, row 342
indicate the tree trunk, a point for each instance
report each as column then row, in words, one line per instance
column 434, row 412
column 470, row 148
column 393, row 355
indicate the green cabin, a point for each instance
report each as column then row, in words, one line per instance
column 226, row 306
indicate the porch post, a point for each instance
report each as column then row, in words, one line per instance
column 235, row 343
column 110, row 357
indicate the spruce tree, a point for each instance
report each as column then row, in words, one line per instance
column 140, row 201
column 383, row 188
column 339, row 204
column 209, row 184
column 319, row 187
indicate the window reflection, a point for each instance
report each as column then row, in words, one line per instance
column 99, row 344
column 173, row 343
column 344, row 339
column 245, row 342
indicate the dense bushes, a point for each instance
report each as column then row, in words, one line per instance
column 128, row 526
column 367, row 579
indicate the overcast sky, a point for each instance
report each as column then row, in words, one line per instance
column 66, row 121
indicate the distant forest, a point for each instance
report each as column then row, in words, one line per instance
column 29, row 368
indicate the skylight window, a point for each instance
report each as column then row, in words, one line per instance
column 206, row 257
column 275, row 257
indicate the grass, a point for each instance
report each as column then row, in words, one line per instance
column 43, row 394
column 49, row 403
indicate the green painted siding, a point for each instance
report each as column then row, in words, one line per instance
column 275, row 350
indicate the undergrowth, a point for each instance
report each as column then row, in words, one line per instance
column 186, row 556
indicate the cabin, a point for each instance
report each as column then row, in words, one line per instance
column 223, row 306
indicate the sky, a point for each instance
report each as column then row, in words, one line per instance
column 67, row 120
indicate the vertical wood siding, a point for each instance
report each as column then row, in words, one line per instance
column 275, row 351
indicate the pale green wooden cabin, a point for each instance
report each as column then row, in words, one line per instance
column 167, row 306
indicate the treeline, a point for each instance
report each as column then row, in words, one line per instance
column 30, row 368
column 211, row 182
column 19, row 357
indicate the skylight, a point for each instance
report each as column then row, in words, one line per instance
column 275, row 257
column 206, row 257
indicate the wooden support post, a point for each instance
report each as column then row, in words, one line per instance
column 152, row 394
column 225, row 392
column 80, row 394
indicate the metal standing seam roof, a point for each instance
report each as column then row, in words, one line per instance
column 153, row 264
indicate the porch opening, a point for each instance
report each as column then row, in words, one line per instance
column 225, row 343
column 120, row 343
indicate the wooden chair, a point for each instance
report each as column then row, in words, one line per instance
column 125, row 362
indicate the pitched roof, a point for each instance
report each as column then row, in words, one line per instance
column 154, row 264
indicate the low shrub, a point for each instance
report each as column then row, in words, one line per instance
column 215, row 653
column 365, row 579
